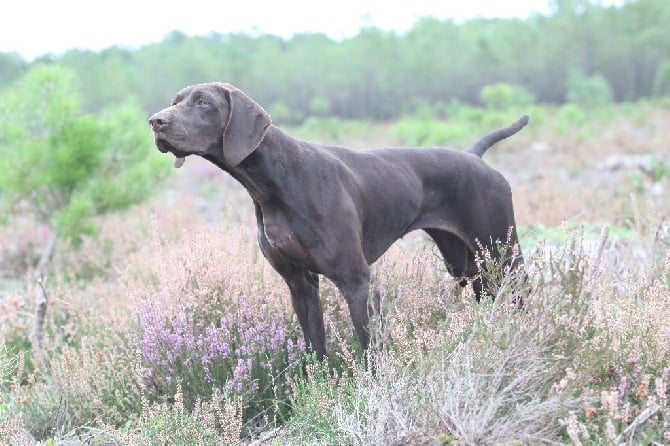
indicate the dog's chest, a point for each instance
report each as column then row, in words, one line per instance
column 281, row 238
column 278, row 237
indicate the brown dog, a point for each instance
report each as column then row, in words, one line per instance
column 334, row 211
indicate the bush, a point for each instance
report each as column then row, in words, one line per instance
column 91, row 380
column 241, row 348
column 458, row 111
column 8, row 366
column 503, row 96
column 12, row 428
column 62, row 166
column 312, row 397
column 422, row 108
column 430, row 133
column 281, row 113
column 319, row 106
column 588, row 91
column 322, row 129
column 217, row 421
column 569, row 120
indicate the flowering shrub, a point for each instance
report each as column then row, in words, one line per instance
column 245, row 349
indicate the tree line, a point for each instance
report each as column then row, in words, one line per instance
column 377, row 74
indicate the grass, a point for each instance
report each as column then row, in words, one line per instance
column 170, row 328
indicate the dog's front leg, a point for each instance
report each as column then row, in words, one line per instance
column 356, row 288
column 304, row 288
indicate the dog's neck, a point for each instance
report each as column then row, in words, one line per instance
column 261, row 172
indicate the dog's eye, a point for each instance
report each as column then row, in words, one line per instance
column 201, row 103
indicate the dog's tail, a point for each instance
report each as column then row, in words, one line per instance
column 490, row 139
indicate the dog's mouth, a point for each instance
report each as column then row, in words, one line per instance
column 164, row 146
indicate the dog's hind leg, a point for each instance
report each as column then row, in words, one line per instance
column 458, row 258
column 461, row 262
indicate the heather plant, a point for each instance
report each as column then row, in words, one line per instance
column 446, row 369
column 240, row 348
column 12, row 427
column 313, row 397
column 95, row 372
column 474, row 391
column 223, row 330
column 423, row 312
column 215, row 421
column 471, row 378
column 14, row 330
column 7, row 368
column 178, row 332
column 90, row 381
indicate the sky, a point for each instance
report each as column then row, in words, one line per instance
column 36, row 27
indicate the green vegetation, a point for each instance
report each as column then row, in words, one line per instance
column 503, row 96
column 588, row 91
column 61, row 166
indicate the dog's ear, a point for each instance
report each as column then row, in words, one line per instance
column 246, row 126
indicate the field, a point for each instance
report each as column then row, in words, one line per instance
column 168, row 326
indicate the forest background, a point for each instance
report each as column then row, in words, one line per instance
column 382, row 75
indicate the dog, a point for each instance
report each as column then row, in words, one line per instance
column 332, row 211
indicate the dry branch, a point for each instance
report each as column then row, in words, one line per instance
column 37, row 336
column 643, row 417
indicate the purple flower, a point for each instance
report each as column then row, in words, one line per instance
column 245, row 346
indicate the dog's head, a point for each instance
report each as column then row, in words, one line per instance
column 214, row 118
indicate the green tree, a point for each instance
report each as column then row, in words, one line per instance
column 662, row 81
column 384, row 75
column 62, row 166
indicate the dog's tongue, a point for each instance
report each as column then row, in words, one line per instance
column 179, row 161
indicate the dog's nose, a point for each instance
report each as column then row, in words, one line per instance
column 158, row 121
